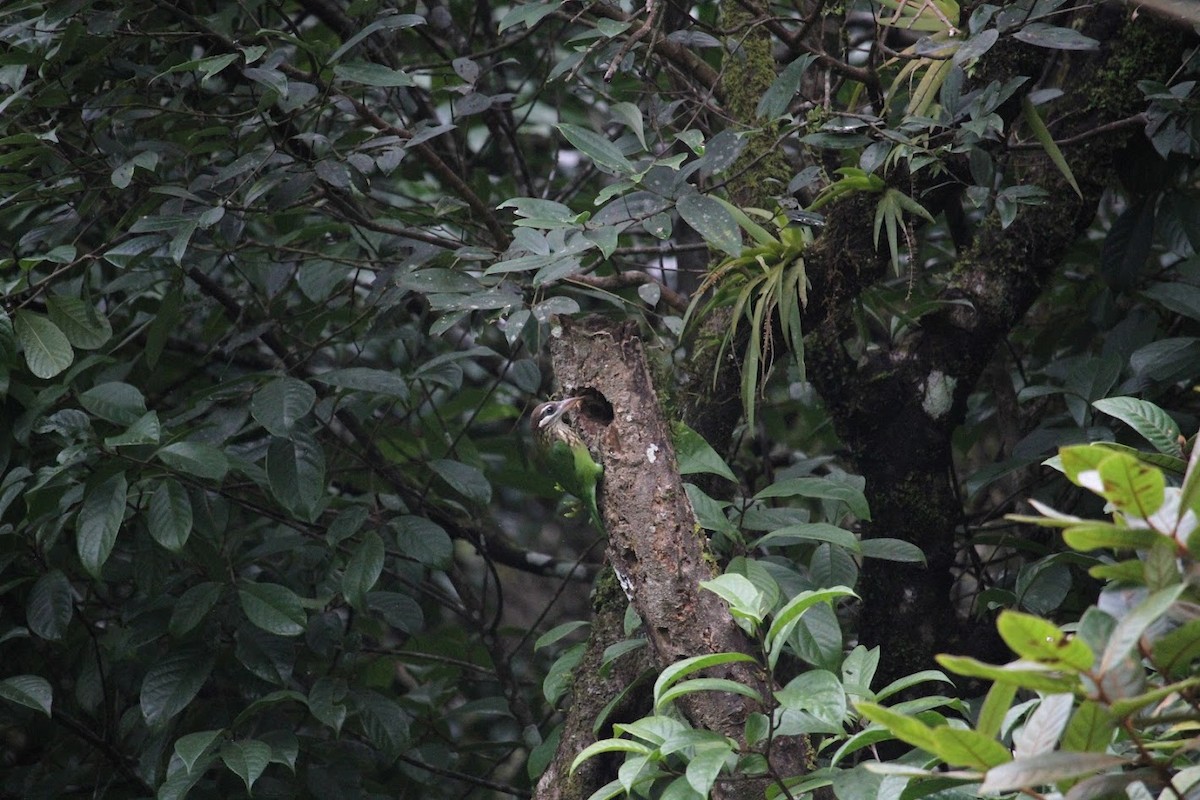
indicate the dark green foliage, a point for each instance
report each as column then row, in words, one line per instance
column 277, row 283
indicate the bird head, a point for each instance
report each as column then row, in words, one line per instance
column 549, row 413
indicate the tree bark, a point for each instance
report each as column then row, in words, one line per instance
column 657, row 551
column 896, row 409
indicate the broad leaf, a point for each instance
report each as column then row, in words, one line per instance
column 280, row 404
column 196, row 459
column 47, row 350
column 274, row 608
column 296, row 473
column 170, row 515
column 172, row 682
column 99, row 521
column 363, row 570
column 1147, row 419
column 30, row 691
column 246, row 758
column 50, row 606
column 710, row 219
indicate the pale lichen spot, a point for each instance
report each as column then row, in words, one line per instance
column 939, row 394
column 652, row 453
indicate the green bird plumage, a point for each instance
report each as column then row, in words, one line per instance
column 565, row 456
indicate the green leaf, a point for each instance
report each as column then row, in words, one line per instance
column 423, row 540
column 192, row 607
column 47, row 350
column 995, row 706
column 913, row 679
column 465, row 479
column 806, row 532
column 398, row 610
column 608, row 746
column 386, row 22
column 710, row 219
column 163, row 325
column 1168, row 359
column 1182, row 298
column 631, row 116
column 824, row 488
column 1080, row 459
column 191, row 747
column 195, row 458
column 122, row 176
column 30, row 691
column 1024, row 674
column 365, row 379
column 325, row 702
column 561, row 675
column 1039, row 640
column 1055, row 38
column 274, row 608
column 83, row 325
column 707, row 685
column 704, row 767
column 363, row 570
column 696, row 455
column 371, row 75
column 384, row 722
column 99, row 521
column 968, row 748
column 285, row 746
column 680, row 669
column 691, row 738
column 891, row 550
column 207, row 66
column 1122, row 708
column 1131, row 626
column 1125, row 251
column 296, row 473
column 115, row 402
column 1175, row 652
column 905, row 728
column 282, row 403
column 1090, row 730
column 1132, row 486
column 744, row 598
column 144, row 430
column 50, row 606
column 599, row 149
column 1101, row 535
column 1045, row 768
column 247, row 758
column 558, row 632
column 775, row 100
column 1042, row 134
column 710, row 513
column 787, row 617
column 1042, row 586
column 529, row 15
column 1131, row 571
column 170, row 515
column 172, row 682
column 818, row 693
column 1147, row 419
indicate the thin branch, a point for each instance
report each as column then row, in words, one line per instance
column 624, row 280
column 1137, row 120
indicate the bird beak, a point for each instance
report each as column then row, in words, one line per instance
column 563, row 406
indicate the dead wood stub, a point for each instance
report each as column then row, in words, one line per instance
column 655, row 545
